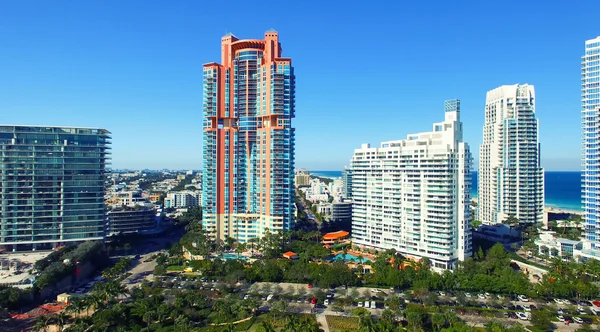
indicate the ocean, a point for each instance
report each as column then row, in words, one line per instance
column 562, row 189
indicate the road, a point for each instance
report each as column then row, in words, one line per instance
column 140, row 271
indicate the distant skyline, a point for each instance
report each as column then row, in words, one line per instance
column 366, row 72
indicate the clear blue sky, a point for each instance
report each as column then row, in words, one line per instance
column 367, row 71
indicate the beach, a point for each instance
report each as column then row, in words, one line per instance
column 562, row 190
column 548, row 208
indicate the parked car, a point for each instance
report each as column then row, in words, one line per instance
column 578, row 320
column 523, row 298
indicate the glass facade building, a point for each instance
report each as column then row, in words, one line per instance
column 52, row 181
column 511, row 179
column 248, row 139
column 590, row 116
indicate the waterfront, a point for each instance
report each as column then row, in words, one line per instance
column 562, row 189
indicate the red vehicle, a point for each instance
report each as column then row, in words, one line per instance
column 313, row 301
column 309, row 285
column 596, row 303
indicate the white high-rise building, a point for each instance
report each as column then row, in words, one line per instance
column 590, row 113
column 511, row 180
column 413, row 195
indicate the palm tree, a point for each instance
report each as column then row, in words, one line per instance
column 183, row 323
column 266, row 326
column 76, row 304
column 61, row 320
column 253, row 241
column 240, row 248
column 438, row 320
column 42, row 324
column 148, row 317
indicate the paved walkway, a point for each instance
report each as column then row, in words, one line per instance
column 321, row 319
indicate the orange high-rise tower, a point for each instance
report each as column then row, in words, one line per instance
column 248, row 157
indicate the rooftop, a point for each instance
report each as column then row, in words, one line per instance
column 335, row 235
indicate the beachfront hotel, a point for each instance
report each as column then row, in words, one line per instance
column 590, row 114
column 52, row 185
column 413, row 195
column 248, row 156
column 511, row 181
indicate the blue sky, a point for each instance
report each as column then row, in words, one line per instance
column 366, row 71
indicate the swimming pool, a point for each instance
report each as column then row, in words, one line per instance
column 349, row 257
column 229, row 256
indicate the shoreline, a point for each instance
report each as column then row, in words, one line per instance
column 548, row 207
column 551, row 208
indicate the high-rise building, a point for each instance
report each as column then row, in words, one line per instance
column 248, row 157
column 511, row 180
column 590, row 112
column 347, row 183
column 413, row 195
column 52, row 181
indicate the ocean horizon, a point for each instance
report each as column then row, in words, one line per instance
column 562, row 189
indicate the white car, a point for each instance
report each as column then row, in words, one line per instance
column 367, row 304
column 468, row 295
column 561, row 318
column 359, row 304
column 578, row 320
column 523, row 298
column 326, row 302
column 481, row 296
column 246, row 297
column 373, row 290
column 442, row 293
column 523, row 315
column 558, row 301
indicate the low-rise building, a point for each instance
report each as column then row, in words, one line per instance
column 324, row 209
column 183, row 199
column 549, row 244
column 335, row 237
column 124, row 220
column 341, row 212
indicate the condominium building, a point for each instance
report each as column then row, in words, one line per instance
column 52, row 181
column 125, row 220
column 511, row 180
column 413, row 195
column 248, row 156
column 302, row 180
column 590, row 113
column 347, row 183
column 183, row 199
column 341, row 213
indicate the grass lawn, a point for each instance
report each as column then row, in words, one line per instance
column 342, row 323
column 175, row 268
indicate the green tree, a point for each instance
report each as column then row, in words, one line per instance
column 438, row 320
column 415, row 315
column 542, row 319
column 160, row 270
